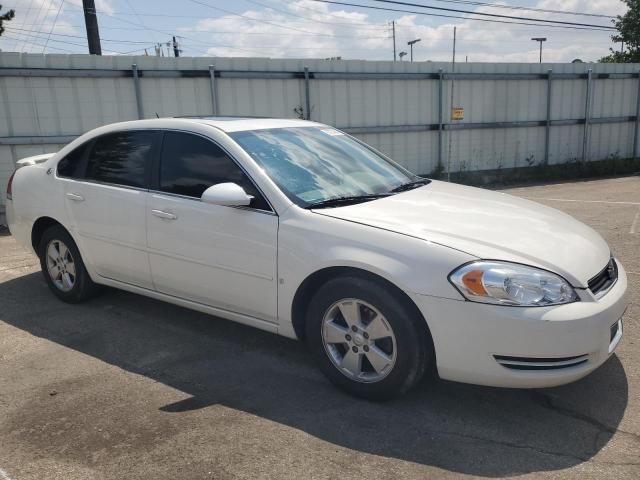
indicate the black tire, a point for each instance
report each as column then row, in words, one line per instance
column 414, row 347
column 83, row 287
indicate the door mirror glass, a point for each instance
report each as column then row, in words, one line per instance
column 228, row 194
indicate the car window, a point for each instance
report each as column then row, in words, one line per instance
column 190, row 164
column 120, row 158
column 71, row 165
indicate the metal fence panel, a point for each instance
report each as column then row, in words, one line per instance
column 396, row 107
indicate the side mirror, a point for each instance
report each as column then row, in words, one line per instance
column 227, row 194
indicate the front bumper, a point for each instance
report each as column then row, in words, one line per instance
column 480, row 344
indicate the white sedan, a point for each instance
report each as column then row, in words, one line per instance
column 297, row 228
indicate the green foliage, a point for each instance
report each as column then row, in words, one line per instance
column 628, row 26
column 5, row 17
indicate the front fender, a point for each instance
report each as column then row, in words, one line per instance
column 308, row 243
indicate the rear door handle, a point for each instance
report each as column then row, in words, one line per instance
column 164, row 215
column 75, row 197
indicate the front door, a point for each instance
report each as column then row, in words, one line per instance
column 219, row 256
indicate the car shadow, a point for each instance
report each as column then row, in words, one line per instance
column 461, row 428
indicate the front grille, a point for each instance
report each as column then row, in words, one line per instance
column 540, row 363
column 603, row 281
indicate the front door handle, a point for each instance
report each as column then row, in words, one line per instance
column 75, row 197
column 164, row 215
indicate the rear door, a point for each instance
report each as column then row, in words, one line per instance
column 107, row 204
column 215, row 255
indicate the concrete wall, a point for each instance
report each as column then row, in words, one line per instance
column 35, row 112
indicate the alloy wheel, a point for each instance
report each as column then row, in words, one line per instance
column 61, row 265
column 359, row 340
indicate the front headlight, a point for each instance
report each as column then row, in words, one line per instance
column 504, row 283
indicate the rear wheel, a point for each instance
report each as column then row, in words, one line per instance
column 366, row 339
column 63, row 267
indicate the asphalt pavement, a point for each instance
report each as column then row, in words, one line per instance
column 128, row 387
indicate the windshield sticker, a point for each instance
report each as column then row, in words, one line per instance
column 332, row 131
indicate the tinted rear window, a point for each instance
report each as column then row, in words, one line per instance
column 121, row 158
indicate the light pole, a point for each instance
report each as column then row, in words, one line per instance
column 411, row 46
column 540, row 39
column 402, row 54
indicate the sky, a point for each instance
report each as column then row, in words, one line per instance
column 311, row 29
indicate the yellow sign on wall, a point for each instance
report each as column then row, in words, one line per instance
column 457, row 113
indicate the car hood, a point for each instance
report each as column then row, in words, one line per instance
column 488, row 225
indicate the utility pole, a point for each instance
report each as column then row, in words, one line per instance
column 91, row 22
column 540, row 40
column 393, row 27
column 453, row 86
column 454, row 48
column 176, row 50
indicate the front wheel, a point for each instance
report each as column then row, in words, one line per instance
column 366, row 339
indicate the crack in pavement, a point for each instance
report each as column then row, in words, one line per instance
column 505, row 443
column 542, row 451
column 546, row 401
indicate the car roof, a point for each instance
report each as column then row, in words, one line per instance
column 238, row 124
column 225, row 124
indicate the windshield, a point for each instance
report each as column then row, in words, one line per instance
column 314, row 164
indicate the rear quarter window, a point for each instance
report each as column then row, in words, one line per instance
column 71, row 165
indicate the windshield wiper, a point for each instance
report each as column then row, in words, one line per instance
column 347, row 200
column 411, row 185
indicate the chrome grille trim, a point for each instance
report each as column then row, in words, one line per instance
column 535, row 363
column 604, row 281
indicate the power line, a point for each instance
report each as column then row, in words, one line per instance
column 525, row 8
column 493, row 15
column 441, row 15
column 207, row 44
column 23, row 37
column 329, row 13
column 216, row 32
column 333, row 23
column 267, row 22
column 17, row 40
column 36, row 17
column 285, row 47
column 27, row 39
column 40, row 10
column 463, row 2
column 167, row 15
column 140, row 19
column 55, row 20
column 34, row 32
column 114, row 15
column 147, row 43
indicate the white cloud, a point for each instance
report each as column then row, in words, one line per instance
column 268, row 32
column 327, row 31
